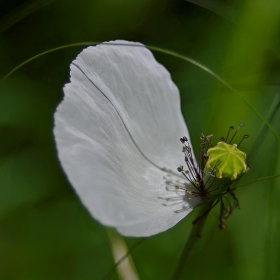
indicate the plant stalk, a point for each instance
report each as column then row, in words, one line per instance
column 193, row 239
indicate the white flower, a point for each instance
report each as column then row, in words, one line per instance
column 117, row 133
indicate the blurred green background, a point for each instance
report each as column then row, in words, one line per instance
column 45, row 232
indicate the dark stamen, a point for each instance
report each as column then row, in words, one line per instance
column 236, row 202
column 193, row 183
column 212, row 173
column 209, row 141
column 189, row 179
column 244, row 137
column 191, row 168
column 230, row 183
column 230, row 129
column 189, row 162
column 200, row 162
column 223, row 214
column 236, row 132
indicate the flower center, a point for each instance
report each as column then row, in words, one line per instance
column 225, row 160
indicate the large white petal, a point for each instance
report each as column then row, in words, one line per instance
column 142, row 91
column 107, row 154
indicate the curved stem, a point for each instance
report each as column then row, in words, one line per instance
column 82, row 44
column 172, row 53
column 258, row 180
column 213, row 74
column 193, row 239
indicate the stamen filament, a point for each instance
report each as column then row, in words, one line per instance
column 244, row 137
column 230, row 129
column 236, row 132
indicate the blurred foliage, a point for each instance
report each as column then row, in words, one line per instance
column 45, row 232
column 20, row 12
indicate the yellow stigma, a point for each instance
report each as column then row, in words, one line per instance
column 231, row 160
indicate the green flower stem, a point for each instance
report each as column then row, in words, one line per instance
column 193, row 239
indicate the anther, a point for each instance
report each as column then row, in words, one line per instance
column 244, row 137
column 184, row 139
column 180, row 168
column 186, row 149
column 223, row 139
